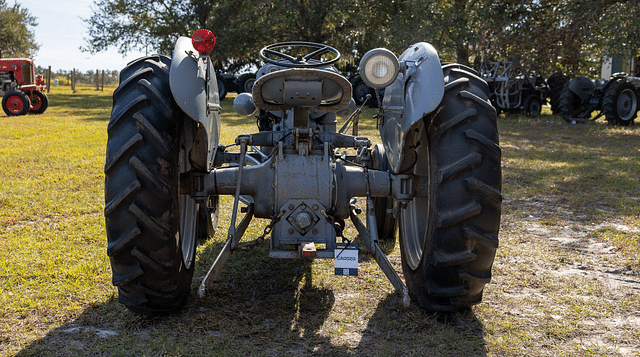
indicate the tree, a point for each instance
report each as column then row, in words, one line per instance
column 571, row 35
column 136, row 25
column 16, row 38
column 241, row 27
column 451, row 26
column 353, row 27
column 617, row 31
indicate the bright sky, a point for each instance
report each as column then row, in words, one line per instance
column 61, row 32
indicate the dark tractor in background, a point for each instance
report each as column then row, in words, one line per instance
column 239, row 83
column 615, row 98
column 517, row 88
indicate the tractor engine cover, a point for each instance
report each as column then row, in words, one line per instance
column 583, row 87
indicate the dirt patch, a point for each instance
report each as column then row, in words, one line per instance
column 566, row 289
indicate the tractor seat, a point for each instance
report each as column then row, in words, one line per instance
column 303, row 88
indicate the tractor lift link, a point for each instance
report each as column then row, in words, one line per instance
column 308, row 250
column 223, row 256
column 370, row 236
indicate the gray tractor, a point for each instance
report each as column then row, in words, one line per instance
column 616, row 99
column 514, row 87
column 435, row 177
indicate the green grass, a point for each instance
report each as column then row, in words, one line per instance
column 52, row 261
column 560, row 180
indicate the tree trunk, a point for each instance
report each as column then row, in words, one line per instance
column 462, row 22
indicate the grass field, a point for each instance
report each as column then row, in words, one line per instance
column 566, row 280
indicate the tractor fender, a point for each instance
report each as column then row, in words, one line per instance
column 583, row 87
column 416, row 92
column 194, row 87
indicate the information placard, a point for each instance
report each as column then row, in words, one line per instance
column 346, row 259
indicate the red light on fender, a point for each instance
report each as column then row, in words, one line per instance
column 203, row 40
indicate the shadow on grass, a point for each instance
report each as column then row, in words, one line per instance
column 261, row 307
column 257, row 306
column 394, row 331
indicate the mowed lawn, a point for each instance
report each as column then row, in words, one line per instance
column 566, row 278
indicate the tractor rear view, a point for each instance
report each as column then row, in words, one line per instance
column 434, row 181
column 22, row 92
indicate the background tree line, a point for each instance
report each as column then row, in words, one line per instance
column 571, row 35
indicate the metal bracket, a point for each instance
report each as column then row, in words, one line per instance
column 235, row 233
column 379, row 256
column 192, row 56
column 243, row 151
column 225, row 253
column 370, row 236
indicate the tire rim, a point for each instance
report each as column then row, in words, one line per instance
column 15, row 104
column 248, row 85
column 188, row 208
column 627, row 104
column 36, row 103
column 413, row 224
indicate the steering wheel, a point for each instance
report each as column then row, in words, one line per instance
column 315, row 51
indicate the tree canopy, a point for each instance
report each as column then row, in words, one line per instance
column 554, row 34
column 241, row 27
column 571, row 35
column 16, row 37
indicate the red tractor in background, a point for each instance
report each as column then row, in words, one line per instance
column 22, row 92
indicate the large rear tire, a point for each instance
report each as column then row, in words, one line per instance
column 151, row 228
column 556, row 82
column 449, row 230
column 222, row 88
column 620, row 102
column 15, row 103
column 571, row 107
column 39, row 102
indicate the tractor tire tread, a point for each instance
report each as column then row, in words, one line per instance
column 461, row 240
column 141, row 190
column 127, row 238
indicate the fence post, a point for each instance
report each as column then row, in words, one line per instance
column 49, row 80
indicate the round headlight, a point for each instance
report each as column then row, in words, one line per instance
column 379, row 68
